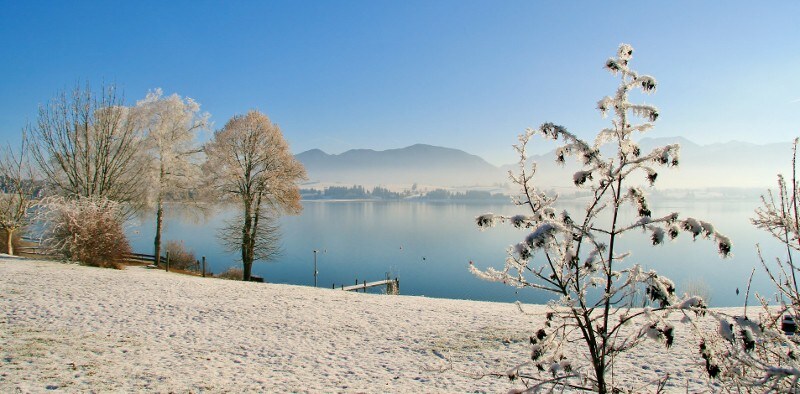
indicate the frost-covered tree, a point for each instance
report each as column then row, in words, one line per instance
column 249, row 164
column 752, row 352
column 577, row 255
column 86, row 144
column 170, row 125
column 18, row 190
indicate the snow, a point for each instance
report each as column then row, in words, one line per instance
column 75, row 328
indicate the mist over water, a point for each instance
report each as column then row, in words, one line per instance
column 428, row 246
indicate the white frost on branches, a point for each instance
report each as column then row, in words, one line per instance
column 88, row 230
column 575, row 256
column 755, row 354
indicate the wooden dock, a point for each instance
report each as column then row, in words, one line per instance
column 392, row 286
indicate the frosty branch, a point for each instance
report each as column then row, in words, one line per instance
column 756, row 354
column 577, row 256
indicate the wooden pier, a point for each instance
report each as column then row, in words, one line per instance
column 392, row 286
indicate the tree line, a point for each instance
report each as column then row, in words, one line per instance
column 90, row 158
column 358, row 192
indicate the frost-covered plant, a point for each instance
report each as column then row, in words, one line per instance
column 232, row 273
column 179, row 257
column 170, row 126
column 87, row 230
column 87, row 144
column 754, row 353
column 577, row 256
column 250, row 165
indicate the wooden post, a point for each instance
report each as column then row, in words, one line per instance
column 333, row 285
column 204, row 266
column 167, row 261
column 315, row 268
column 365, row 286
column 392, row 287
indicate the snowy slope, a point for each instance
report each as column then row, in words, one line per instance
column 74, row 328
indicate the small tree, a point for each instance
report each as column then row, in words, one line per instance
column 87, row 230
column 577, row 257
column 87, row 145
column 170, row 126
column 18, row 191
column 249, row 163
column 755, row 354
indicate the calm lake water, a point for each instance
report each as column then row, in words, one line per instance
column 429, row 246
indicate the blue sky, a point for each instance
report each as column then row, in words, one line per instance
column 338, row 75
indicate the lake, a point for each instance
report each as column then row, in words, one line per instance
column 428, row 246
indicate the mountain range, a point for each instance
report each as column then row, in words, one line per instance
column 730, row 164
column 422, row 164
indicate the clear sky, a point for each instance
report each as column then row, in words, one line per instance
column 378, row 74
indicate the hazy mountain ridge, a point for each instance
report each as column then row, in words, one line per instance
column 729, row 164
column 424, row 164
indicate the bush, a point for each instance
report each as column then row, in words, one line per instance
column 179, row 257
column 86, row 230
column 232, row 273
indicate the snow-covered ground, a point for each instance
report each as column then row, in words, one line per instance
column 74, row 328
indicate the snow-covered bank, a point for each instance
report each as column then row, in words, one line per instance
column 75, row 328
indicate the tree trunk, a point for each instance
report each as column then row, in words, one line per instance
column 600, row 373
column 159, row 225
column 248, row 267
column 247, row 245
column 9, row 242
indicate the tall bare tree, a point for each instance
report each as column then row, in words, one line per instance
column 86, row 144
column 249, row 163
column 18, row 190
column 170, row 125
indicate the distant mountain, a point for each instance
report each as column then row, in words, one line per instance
column 730, row 164
column 423, row 164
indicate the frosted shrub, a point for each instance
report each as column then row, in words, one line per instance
column 232, row 273
column 576, row 255
column 86, row 230
column 753, row 353
column 179, row 257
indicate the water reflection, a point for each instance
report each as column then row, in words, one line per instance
column 428, row 246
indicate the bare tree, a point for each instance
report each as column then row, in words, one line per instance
column 578, row 258
column 86, row 145
column 249, row 163
column 18, row 190
column 170, row 125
